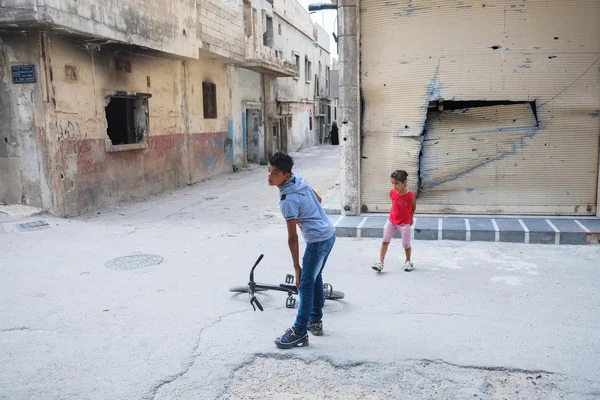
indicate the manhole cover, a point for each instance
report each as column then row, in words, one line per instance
column 134, row 261
column 33, row 226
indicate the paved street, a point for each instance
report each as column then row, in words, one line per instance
column 474, row 319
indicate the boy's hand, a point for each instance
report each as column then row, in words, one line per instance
column 412, row 221
column 298, row 271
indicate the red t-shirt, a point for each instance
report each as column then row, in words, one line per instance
column 401, row 207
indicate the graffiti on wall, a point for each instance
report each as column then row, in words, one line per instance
column 68, row 130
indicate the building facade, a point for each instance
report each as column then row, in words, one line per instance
column 276, row 98
column 491, row 107
column 109, row 102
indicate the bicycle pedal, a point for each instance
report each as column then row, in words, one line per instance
column 290, row 302
column 289, row 279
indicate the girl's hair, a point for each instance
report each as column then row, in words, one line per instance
column 400, row 175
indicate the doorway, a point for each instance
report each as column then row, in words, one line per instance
column 253, row 123
column 277, row 140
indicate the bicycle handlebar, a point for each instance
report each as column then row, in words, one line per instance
column 254, row 301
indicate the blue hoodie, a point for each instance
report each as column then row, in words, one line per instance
column 299, row 202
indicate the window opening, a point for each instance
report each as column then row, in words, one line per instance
column 127, row 119
column 209, row 99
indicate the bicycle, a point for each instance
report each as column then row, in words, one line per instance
column 288, row 287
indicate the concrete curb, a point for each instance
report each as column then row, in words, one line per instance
column 528, row 230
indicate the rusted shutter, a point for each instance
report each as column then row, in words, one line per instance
column 540, row 54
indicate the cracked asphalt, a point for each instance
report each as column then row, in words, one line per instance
column 473, row 320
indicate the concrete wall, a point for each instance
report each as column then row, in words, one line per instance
column 181, row 145
column 246, row 93
column 211, row 140
column 18, row 10
column 21, row 116
column 298, row 37
column 162, row 25
column 349, row 114
column 294, row 14
column 222, row 28
column 295, row 42
column 300, row 136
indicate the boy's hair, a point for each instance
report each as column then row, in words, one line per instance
column 400, row 175
column 282, row 162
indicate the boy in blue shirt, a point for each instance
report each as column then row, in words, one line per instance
column 301, row 205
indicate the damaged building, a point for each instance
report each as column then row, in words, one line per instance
column 106, row 101
column 492, row 107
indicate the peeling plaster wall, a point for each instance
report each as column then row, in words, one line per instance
column 182, row 146
column 301, row 135
column 168, row 26
column 211, row 151
column 83, row 174
column 294, row 41
column 18, row 10
column 414, row 52
column 21, row 113
column 246, row 94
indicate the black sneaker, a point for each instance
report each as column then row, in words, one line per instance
column 291, row 339
column 316, row 328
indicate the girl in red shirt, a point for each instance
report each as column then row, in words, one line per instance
column 402, row 212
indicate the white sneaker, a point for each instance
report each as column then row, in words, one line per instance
column 408, row 266
column 378, row 266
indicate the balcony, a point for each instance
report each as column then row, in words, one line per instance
column 160, row 25
column 269, row 61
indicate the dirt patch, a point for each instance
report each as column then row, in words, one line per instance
column 272, row 377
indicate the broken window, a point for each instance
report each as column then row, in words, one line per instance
column 268, row 34
column 127, row 118
column 307, row 69
column 209, row 99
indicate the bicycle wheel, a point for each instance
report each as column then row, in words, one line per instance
column 243, row 289
column 335, row 295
